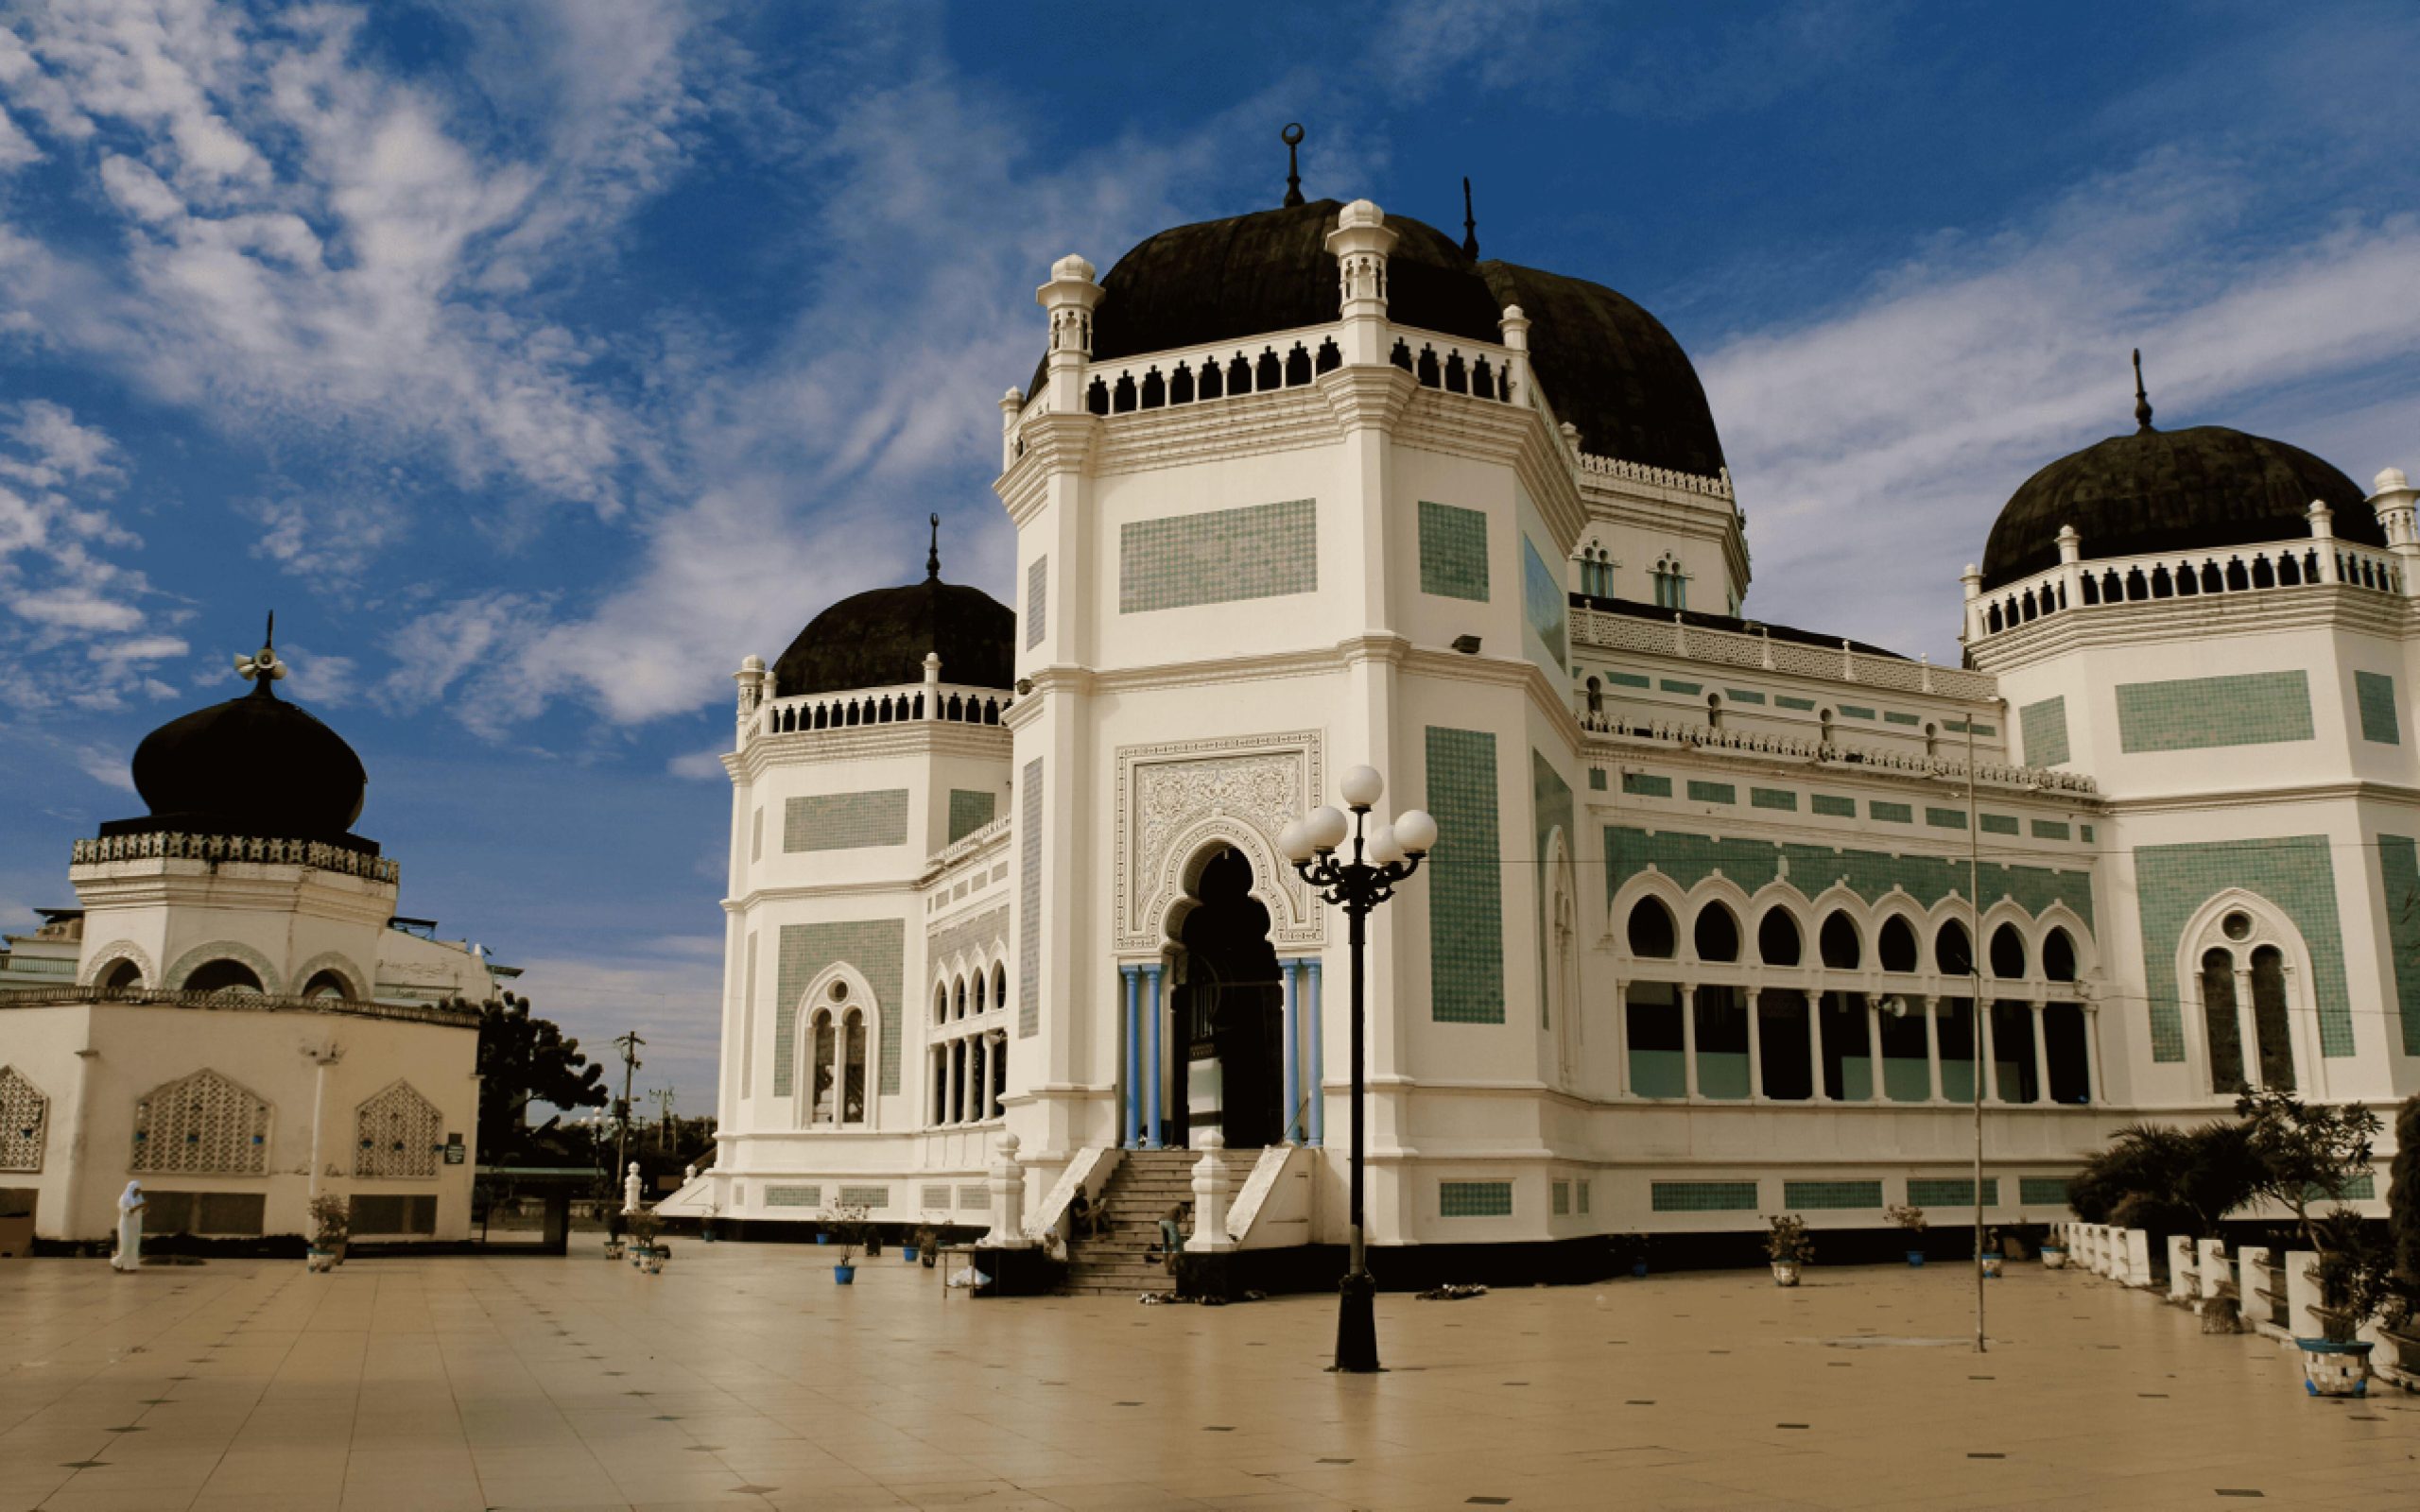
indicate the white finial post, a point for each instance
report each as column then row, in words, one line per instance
column 932, row 685
column 1973, row 579
column 1516, row 328
column 1012, row 405
column 1070, row 296
column 1210, row 1187
column 1006, row 1182
column 750, row 679
column 1361, row 243
column 2397, row 503
column 630, row 1190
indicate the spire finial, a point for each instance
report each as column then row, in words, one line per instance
column 261, row 668
column 1293, row 138
column 933, row 555
column 2142, row 399
column 1470, row 223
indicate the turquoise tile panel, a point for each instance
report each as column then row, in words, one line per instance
column 1722, row 1073
column 1658, row 1073
column 1743, row 696
column 1453, row 552
column 1550, row 805
column 871, row 1198
column 1946, row 819
column 1891, row 813
column 1774, row 797
column 1671, row 685
column 1833, row 805
column 1466, row 881
column 970, row 810
column 1797, row 1195
column 2051, row 830
column 1713, row 792
column 845, row 821
column 1217, row 557
column 1629, row 679
column 1851, row 711
column 1702, row 1196
column 1596, row 779
column 1891, row 716
column 2000, row 824
column 2043, row 726
column 1645, row 784
column 2295, row 872
column 2374, row 692
column 1544, row 606
column 1951, row 1191
column 1474, row 1199
column 789, row 1196
column 876, row 948
column 2042, row 1191
column 1029, row 902
column 2399, row 877
column 1786, row 701
column 2198, row 714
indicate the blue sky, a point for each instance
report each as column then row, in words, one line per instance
column 535, row 363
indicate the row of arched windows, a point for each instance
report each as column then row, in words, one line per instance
column 1839, row 945
column 970, row 1067
column 1596, row 567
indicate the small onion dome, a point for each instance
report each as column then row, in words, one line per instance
column 1610, row 369
column 879, row 640
column 253, row 765
column 2207, row 488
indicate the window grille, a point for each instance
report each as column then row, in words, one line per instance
column 397, row 1134
column 25, row 1113
column 201, row 1124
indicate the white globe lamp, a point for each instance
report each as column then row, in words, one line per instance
column 1327, row 827
column 1415, row 832
column 1384, row 850
column 1361, row 786
column 1294, row 842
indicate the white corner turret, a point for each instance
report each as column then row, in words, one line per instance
column 2393, row 497
column 1070, row 296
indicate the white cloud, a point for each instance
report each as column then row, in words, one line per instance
column 699, row 766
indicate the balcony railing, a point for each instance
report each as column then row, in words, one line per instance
column 1673, row 638
column 907, row 703
column 2317, row 562
column 1768, row 743
column 175, row 845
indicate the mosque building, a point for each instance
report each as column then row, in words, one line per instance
column 235, row 1016
column 1724, row 913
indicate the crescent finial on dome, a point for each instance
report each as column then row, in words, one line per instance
column 2142, row 399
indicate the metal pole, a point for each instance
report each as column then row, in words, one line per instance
column 1357, row 1320
column 628, row 1044
column 1975, row 968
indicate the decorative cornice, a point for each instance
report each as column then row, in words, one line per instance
column 1362, row 397
column 2313, row 606
column 1778, row 752
column 174, row 845
column 2352, row 791
column 911, row 737
column 64, row 996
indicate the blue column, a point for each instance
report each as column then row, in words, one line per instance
column 1319, row 1056
column 1293, row 971
column 1130, row 1095
column 1158, row 1069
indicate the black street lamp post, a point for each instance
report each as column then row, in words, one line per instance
column 1381, row 858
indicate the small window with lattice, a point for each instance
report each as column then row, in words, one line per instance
column 397, row 1133
column 201, row 1124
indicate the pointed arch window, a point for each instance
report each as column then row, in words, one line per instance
column 1651, row 933
column 397, row 1133
column 204, row 1124
column 24, row 1120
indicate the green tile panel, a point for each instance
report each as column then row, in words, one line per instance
column 2051, row 830
column 2088, row 834
column 1946, row 819
column 1029, row 900
column 1474, row 1199
column 1467, row 882
column 1959, row 727
column 1217, row 557
column 1551, row 809
column 868, row 1197
column 2042, row 1191
column 1891, row 813
column 1784, row 700
column 876, row 948
column 845, row 821
column 1629, row 679
column 794, row 1196
column 2044, row 728
column 1562, row 1199
column 1669, row 685
column 970, row 810
column 1702, row 1196
column 2295, row 872
column 1645, row 784
column 1596, row 779
column 1893, row 717
column 1810, row 1194
column 1774, row 797
column 1713, row 792
column 2202, row 713
column 1690, row 859
column 1743, row 696
column 1453, row 552
column 1851, row 711
column 2374, row 692
column 2000, row 824
column 1833, row 805
column 2399, row 879
column 1951, row 1191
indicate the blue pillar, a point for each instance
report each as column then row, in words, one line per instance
column 1293, row 971
column 1319, row 1056
column 1130, row 1095
column 1158, row 1069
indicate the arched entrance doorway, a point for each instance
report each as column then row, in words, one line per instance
column 1229, row 1011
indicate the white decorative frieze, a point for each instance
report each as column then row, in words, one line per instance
column 1176, row 800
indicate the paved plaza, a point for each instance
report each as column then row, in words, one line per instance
column 742, row 1377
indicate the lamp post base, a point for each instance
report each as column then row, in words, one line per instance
column 1357, row 1324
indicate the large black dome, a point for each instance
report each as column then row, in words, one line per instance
column 253, row 765
column 2159, row 490
column 879, row 639
column 1609, row 367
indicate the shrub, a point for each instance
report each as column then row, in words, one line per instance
column 2165, row 1179
column 2306, row 1154
column 2352, row 1275
column 1789, row 1244
column 1911, row 1219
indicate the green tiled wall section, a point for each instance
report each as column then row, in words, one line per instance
column 794, row 1196
column 1551, row 804
column 1891, row 716
column 1029, row 902
column 1474, row 1199
column 1774, row 797
column 1946, row 819
column 2000, row 824
column 1453, row 552
column 1645, row 784
column 1795, row 1195
column 2051, row 830
column 2045, row 725
column 1669, row 685
column 1891, row 813
column 876, row 947
column 1951, row 1191
column 2042, row 1191
column 1713, row 792
column 1219, row 557
column 1629, row 679
column 1786, row 701
column 1839, row 808
column 1466, row 881
column 2374, row 693
column 1544, row 607
column 969, row 811
column 1851, row 711
column 845, row 821
column 1690, row 859
column 864, row 1197
column 1561, row 1199
column 1596, row 779
column 2295, row 872
column 1743, row 696
column 2197, row 713
column 1702, row 1196
column 1037, row 599
column 2399, row 877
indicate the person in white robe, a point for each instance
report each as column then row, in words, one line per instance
column 130, row 1229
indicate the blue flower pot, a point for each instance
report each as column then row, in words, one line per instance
column 1916, row 1258
column 1638, row 1267
column 844, row 1275
column 907, row 1253
column 822, row 1239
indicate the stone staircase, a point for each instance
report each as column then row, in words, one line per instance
column 1145, row 1185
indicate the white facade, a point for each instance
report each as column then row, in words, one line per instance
column 1224, row 603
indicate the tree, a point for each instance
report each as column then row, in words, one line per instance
column 2306, row 1154
column 524, row 1059
column 2168, row 1181
column 2403, row 1207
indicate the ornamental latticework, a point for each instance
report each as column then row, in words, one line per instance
column 201, row 1124
column 25, row 1113
column 396, row 1134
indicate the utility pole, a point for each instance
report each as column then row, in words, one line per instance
column 1975, row 967
column 664, row 1099
column 628, row 1045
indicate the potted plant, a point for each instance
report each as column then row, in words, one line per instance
column 1788, row 1246
column 1992, row 1257
column 2353, row 1291
column 330, row 1224
column 2053, row 1253
column 1909, row 1221
column 849, row 1229
column 1629, row 1253
column 924, row 1244
column 2222, row 1310
column 644, row 1226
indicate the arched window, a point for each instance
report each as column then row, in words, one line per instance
column 999, row 986
column 941, row 1003
column 1953, row 951
column 1777, row 938
column 327, row 985
column 2219, row 1022
column 2008, row 954
column 2269, row 1020
column 1895, row 945
column 852, row 1072
column 999, row 1071
column 981, row 985
column 826, row 1043
column 2059, row 956
column 1716, row 934
column 957, row 1000
column 204, row 1124
column 222, row 975
column 1841, row 948
column 122, row 976
column 1651, row 932
column 1595, row 696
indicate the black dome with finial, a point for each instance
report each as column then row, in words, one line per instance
column 253, row 765
column 879, row 639
column 2199, row 488
column 1609, row 367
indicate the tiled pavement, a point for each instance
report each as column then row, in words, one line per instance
column 742, row 1377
